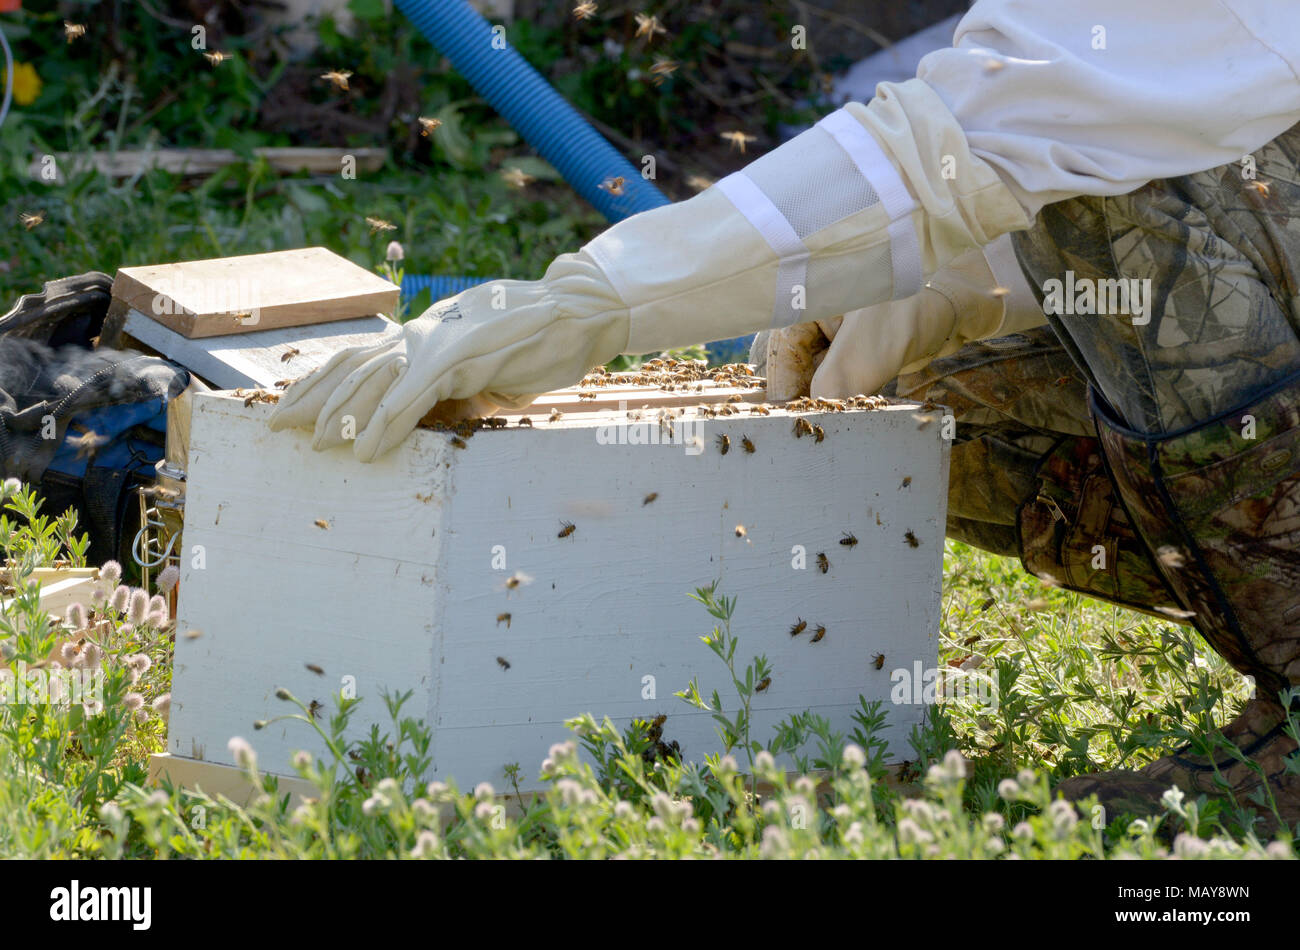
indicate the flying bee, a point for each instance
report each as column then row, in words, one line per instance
column 906, row 482
column 911, row 539
column 338, row 78
column 32, row 219
column 585, row 11
column 1259, row 186
column 314, row 709
column 699, row 182
column 517, row 177
column 566, row 528
column 879, row 661
column 848, row 540
column 999, row 291
column 322, row 524
column 799, row 627
column 524, row 422
column 379, row 224
column 315, row 669
column 517, row 579
column 740, row 531
column 763, row 684
column 193, row 634
column 818, row 633
column 747, row 444
column 648, row 26
column 555, row 416
column 216, row 57
column 505, row 617
column 662, row 69
column 923, row 422
column 738, row 139
column 823, row 563
column 724, row 444
column 503, row 663
column 289, row 354
column 428, row 125
column 819, row 432
column 615, row 185
column 649, row 498
column 586, row 395
column 458, row 442
column 73, row 30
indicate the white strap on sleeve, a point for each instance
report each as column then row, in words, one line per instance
column 759, row 210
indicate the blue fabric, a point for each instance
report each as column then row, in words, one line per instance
column 121, row 451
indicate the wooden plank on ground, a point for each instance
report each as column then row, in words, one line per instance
column 253, row 292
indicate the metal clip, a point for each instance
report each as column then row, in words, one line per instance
column 1057, row 513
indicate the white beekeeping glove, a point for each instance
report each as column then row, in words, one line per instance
column 979, row 295
column 855, row 211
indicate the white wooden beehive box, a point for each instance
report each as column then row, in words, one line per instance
column 405, row 587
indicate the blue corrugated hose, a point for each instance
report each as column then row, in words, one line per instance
column 538, row 113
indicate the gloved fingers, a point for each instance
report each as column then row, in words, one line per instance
column 829, row 327
column 392, row 421
column 792, row 358
column 300, row 405
column 352, row 403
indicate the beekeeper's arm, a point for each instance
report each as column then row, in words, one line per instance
column 859, row 210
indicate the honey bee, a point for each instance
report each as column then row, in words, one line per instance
column 760, row 410
column 738, row 139
column 802, row 427
column 911, row 539
column 193, row 634
column 379, row 224
column 724, row 444
column 566, row 528
column 517, row 177
column 73, row 30
column 906, row 482
column 289, row 354
column 848, row 540
column 314, row 709
column 458, row 442
column 662, row 69
column 993, row 65
column 494, row 422
column 740, row 531
column 315, row 669
column 322, row 524
column 818, row 633
column 763, row 684
column 505, row 617
column 524, row 422
column 585, row 11
column 338, row 78
column 819, row 432
column 648, row 26
column 823, row 563
column 924, row 421
column 31, row 220
column 615, row 185
column 649, row 498
column 1260, row 186
column 283, row 383
column 699, row 182
column 747, row 444
column 517, row 579
column 555, row 416
column 586, row 395
column 999, row 292
column 216, row 57
column 799, row 627
column 503, row 663
column 428, row 125
column 879, row 661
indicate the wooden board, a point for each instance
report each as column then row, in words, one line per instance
column 255, row 360
column 254, row 292
column 400, row 590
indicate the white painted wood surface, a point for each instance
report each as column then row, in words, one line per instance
column 253, row 360
column 400, row 590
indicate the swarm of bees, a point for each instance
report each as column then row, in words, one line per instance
column 338, row 78
column 673, row 375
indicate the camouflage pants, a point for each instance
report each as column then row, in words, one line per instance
column 1150, row 457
